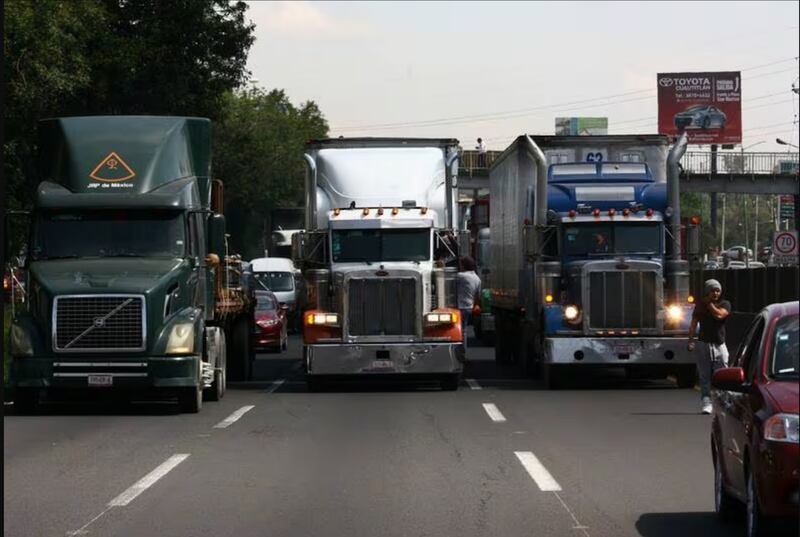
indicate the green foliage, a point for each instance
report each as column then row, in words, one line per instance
column 258, row 153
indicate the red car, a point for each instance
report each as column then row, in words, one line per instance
column 269, row 323
column 754, row 436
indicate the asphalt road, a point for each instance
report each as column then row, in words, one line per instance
column 501, row 457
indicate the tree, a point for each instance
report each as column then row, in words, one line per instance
column 258, row 153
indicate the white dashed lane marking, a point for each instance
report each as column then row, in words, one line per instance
column 148, row 481
column 537, row 471
column 473, row 384
column 494, row 412
column 234, row 417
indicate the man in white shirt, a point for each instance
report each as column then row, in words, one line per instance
column 481, row 147
column 468, row 289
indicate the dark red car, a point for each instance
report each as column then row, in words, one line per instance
column 269, row 323
column 754, row 435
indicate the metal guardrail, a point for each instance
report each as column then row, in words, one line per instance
column 699, row 162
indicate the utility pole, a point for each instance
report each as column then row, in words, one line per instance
column 722, row 241
column 755, row 233
column 713, row 171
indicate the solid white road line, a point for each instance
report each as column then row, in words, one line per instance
column 473, row 384
column 537, row 471
column 275, row 385
column 494, row 412
column 234, row 417
column 147, row 481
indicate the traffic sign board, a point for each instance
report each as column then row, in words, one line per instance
column 784, row 247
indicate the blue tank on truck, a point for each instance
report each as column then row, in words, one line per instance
column 586, row 256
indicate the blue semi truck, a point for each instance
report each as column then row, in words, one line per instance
column 586, row 256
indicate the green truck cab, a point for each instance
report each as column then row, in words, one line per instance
column 127, row 264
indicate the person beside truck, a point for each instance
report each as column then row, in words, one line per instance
column 710, row 313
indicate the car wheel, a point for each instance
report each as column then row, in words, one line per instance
column 724, row 504
column 754, row 521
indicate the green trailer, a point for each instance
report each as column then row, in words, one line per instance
column 129, row 286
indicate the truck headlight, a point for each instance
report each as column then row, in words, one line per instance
column 181, row 339
column 674, row 313
column 571, row 313
column 782, row 428
column 20, row 343
column 441, row 318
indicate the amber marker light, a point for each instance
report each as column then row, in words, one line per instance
column 365, row 212
column 690, row 299
column 548, row 298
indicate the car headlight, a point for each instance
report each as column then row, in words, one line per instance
column 674, row 313
column 782, row 428
column 20, row 343
column 181, row 339
column 266, row 322
column 571, row 313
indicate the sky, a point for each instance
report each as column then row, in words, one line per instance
column 500, row 69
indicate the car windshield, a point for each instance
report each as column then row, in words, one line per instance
column 109, row 233
column 265, row 303
column 608, row 238
column 785, row 349
column 274, row 281
column 354, row 245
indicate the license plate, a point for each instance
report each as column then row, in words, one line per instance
column 623, row 349
column 382, row 364
column 101, row 380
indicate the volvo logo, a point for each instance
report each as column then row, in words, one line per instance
column 665, row 82
column 99, row 322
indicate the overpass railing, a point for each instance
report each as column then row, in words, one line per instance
column 471, row 161
column 699, row 162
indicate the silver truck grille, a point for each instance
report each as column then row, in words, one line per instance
column 624, row 299
column 95, row 323
column 382, row 307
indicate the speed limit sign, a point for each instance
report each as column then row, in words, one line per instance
column 784, row 247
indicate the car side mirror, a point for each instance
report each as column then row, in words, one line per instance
column 730, row 379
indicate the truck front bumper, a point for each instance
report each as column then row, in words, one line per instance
column 73, row 372
column 618, row 351
column 384, row 358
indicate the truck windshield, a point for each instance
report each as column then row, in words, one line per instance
column 612, row 238
column 353, row 245
column 274, row 281
column 109, row 233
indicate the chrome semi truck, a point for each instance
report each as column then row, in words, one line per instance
column 377, row 254
column 130, row 285
column 586, row 256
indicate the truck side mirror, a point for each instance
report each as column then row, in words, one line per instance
column 216, row 235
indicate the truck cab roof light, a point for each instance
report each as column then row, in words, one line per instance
column 380, row 211
column 611, row 212
column 395, row 210
column 596, row 212
column 649, row 213
column 423, row 210
column 336, row 211
column 365, row 212
column 572, row 213
column 626, row 212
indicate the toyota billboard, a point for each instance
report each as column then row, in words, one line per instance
column 706, row 106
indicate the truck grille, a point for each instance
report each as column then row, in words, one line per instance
column 622, row 299
column 96, row 323
column 382, row 307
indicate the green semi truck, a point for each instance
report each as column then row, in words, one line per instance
column 130, row 285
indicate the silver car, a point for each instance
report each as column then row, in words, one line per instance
column 700, row 117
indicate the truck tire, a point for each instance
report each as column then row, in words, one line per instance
column 26, row 401
column 449, row 383
column 190, row 400
column 240, row 358
column 686, row 377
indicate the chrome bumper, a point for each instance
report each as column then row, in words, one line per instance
column 618, row 351
column 383, row 358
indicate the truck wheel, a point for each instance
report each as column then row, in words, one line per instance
column 216, row 391
column 240, row 358
column 686, row 377
column 190, row 400
column 449, row 383
column 26, row 401
column 553, row 376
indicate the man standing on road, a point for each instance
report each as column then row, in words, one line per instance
column 711, row 312
column 468, row 288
